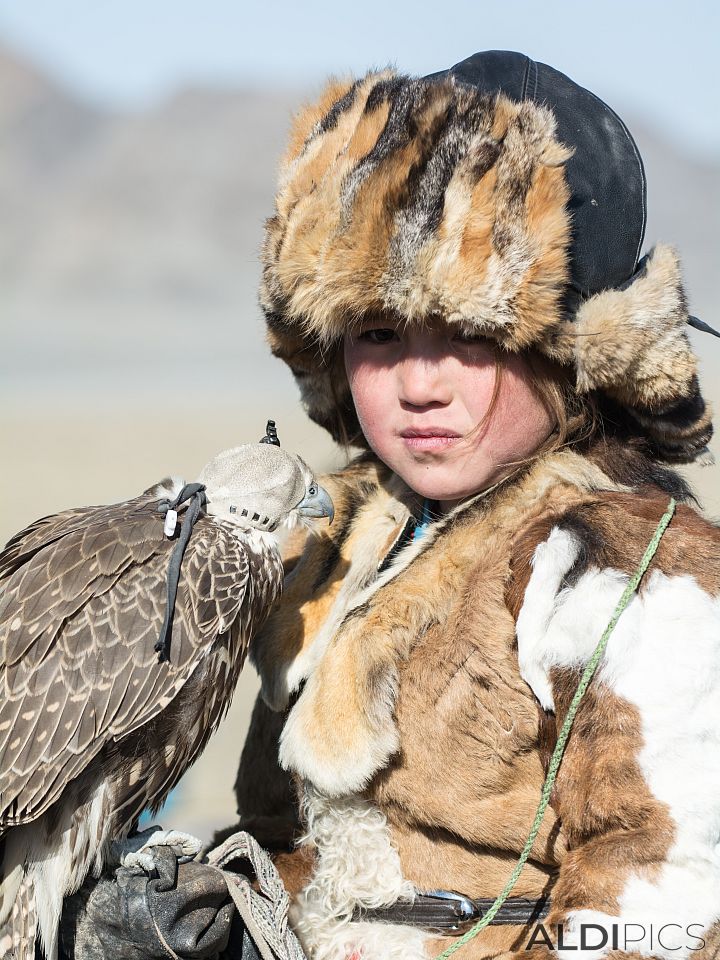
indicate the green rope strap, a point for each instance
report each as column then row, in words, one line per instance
column 564, row 734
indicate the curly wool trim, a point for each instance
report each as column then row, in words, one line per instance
column 356, row 866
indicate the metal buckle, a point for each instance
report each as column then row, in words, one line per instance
column 437, row 911
column 466, row 912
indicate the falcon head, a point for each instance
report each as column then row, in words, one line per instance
column 262, row 486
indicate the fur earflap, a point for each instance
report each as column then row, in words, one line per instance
column 632, row 345
column 633, row 342
column 427, row 198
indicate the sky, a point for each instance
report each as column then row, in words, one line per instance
column 654, row 58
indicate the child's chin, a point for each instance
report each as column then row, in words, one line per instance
column 433, row 487
column 441, row 483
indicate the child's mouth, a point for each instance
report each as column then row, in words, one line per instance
column 430, row 438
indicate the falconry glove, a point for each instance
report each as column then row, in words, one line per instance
column 185, row 910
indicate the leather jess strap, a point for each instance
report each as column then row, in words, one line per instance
column 444, row 911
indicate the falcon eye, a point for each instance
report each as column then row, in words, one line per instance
column 313, row 490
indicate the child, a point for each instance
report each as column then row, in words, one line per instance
column 452, row 274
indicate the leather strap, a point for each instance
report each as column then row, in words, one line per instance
column 445, row 911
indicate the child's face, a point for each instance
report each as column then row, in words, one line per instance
column 419, row 394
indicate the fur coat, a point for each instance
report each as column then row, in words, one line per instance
column 411, row 699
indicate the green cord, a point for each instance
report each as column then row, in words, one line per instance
column 564, row 734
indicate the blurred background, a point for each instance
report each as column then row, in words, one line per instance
column 138, row 143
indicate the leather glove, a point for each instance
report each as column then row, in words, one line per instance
column 184, row 909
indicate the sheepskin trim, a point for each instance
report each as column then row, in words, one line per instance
column 423, row 198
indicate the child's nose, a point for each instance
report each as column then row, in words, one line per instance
column 423, row 381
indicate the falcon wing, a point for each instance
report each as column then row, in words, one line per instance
column 46, row 530
column 79, row 618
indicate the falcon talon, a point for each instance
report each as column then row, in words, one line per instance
column 184, row 846
column 121, row 847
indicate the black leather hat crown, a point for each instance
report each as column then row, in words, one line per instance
column 605, row 173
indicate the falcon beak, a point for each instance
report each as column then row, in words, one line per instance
column 318, row 504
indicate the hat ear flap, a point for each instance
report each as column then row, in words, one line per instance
column 631, row 343
column 320, row 374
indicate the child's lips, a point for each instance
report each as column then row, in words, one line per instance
column 430, row 438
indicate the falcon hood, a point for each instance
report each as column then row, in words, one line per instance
column 260, row 485
column 501, row 197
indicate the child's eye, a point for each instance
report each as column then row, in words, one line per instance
column 470, row 337
column 378, row 335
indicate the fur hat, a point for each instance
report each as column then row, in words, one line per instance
column 441, row 197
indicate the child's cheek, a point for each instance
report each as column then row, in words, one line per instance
column 372, row 392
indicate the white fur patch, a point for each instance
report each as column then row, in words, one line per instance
column 536, row 652
column 664, row 658
column 356, row 865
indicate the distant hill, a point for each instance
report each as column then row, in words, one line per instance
column 164, row 209
column 167, row 203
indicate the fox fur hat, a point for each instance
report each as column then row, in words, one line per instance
column 455, row 196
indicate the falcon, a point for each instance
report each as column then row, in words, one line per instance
column 123, row 630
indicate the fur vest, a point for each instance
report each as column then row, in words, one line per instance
column 414, row 695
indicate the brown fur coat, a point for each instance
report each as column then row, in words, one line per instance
column 416, row 703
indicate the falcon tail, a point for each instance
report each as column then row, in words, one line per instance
column 43, row 862
column 17, row 906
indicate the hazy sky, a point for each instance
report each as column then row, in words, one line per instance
column 655, row 58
